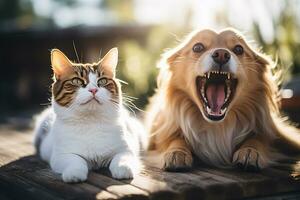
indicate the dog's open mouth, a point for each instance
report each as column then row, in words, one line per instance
column 216, row 90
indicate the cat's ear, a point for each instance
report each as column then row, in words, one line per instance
column 109, row 62
column 60, row 63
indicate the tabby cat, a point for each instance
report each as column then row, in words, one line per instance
column 87, row 126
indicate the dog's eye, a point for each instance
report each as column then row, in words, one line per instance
column 198, row 47
column 238, row 50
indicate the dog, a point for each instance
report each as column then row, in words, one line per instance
column 217, row 101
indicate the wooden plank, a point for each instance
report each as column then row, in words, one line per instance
column 9, row 134
column 185, row 185
column 33, row 171
column 13, row 152
column 32, row 175
column 259, row 184
column 17, row 187
column 116, row 187
column 4, row 197
column 280, row 196
column 155, row 188
column 231, row 188
column 24, row 148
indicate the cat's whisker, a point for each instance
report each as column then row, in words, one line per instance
column 100, row 53
column 121, row 81
column 76, row 51
column 129, row 97
column 46, row 104
column 132, row 111
column 130, row 105
column 115, row 105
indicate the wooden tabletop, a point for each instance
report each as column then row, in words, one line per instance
column 24, row 176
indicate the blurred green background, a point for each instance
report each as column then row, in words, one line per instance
column 142, row 29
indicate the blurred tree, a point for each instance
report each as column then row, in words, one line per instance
column 19, row 14
column 286, row 42
column 68, row 3
column 123, row 9
column 9, row 9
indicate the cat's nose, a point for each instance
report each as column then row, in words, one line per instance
column 93, row 90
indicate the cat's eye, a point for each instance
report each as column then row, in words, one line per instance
column 198, row 47
column 77, row 82
column 238, row 50
column 102, row 81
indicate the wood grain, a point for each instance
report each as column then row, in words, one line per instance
column 24, row 176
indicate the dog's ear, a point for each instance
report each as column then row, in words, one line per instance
column 173, row 54
column 262, row 59
column 170, row 56
column 166, row 62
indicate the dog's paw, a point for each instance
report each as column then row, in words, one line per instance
column 249, row 159
column 177, row 160
column 74, row 174
column 123, row 171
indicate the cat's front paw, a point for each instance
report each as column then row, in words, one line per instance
column 123, row 171
column 177, row 160
column 74, row 174
column 249, row 159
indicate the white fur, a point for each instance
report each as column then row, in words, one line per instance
column 82, row 137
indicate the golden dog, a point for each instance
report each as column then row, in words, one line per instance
column 217, row 99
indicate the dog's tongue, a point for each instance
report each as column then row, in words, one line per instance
column 215, row 94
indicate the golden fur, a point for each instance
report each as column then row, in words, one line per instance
column 252, row 123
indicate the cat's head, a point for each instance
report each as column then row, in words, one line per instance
column 85, row 87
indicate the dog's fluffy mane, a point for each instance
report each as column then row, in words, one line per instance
column 255, row 110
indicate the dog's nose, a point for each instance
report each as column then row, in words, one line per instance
column 221, row 56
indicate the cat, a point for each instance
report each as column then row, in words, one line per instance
column 87, row 126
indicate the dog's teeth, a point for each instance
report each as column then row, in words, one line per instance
column 228, row 94
column 208, row 75
column 228, row 75
column 203, row 94
column 223, row 111
column 208, row 109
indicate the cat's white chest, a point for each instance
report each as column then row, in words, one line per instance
column 94, row 142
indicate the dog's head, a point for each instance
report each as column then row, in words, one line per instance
column 215, row 69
